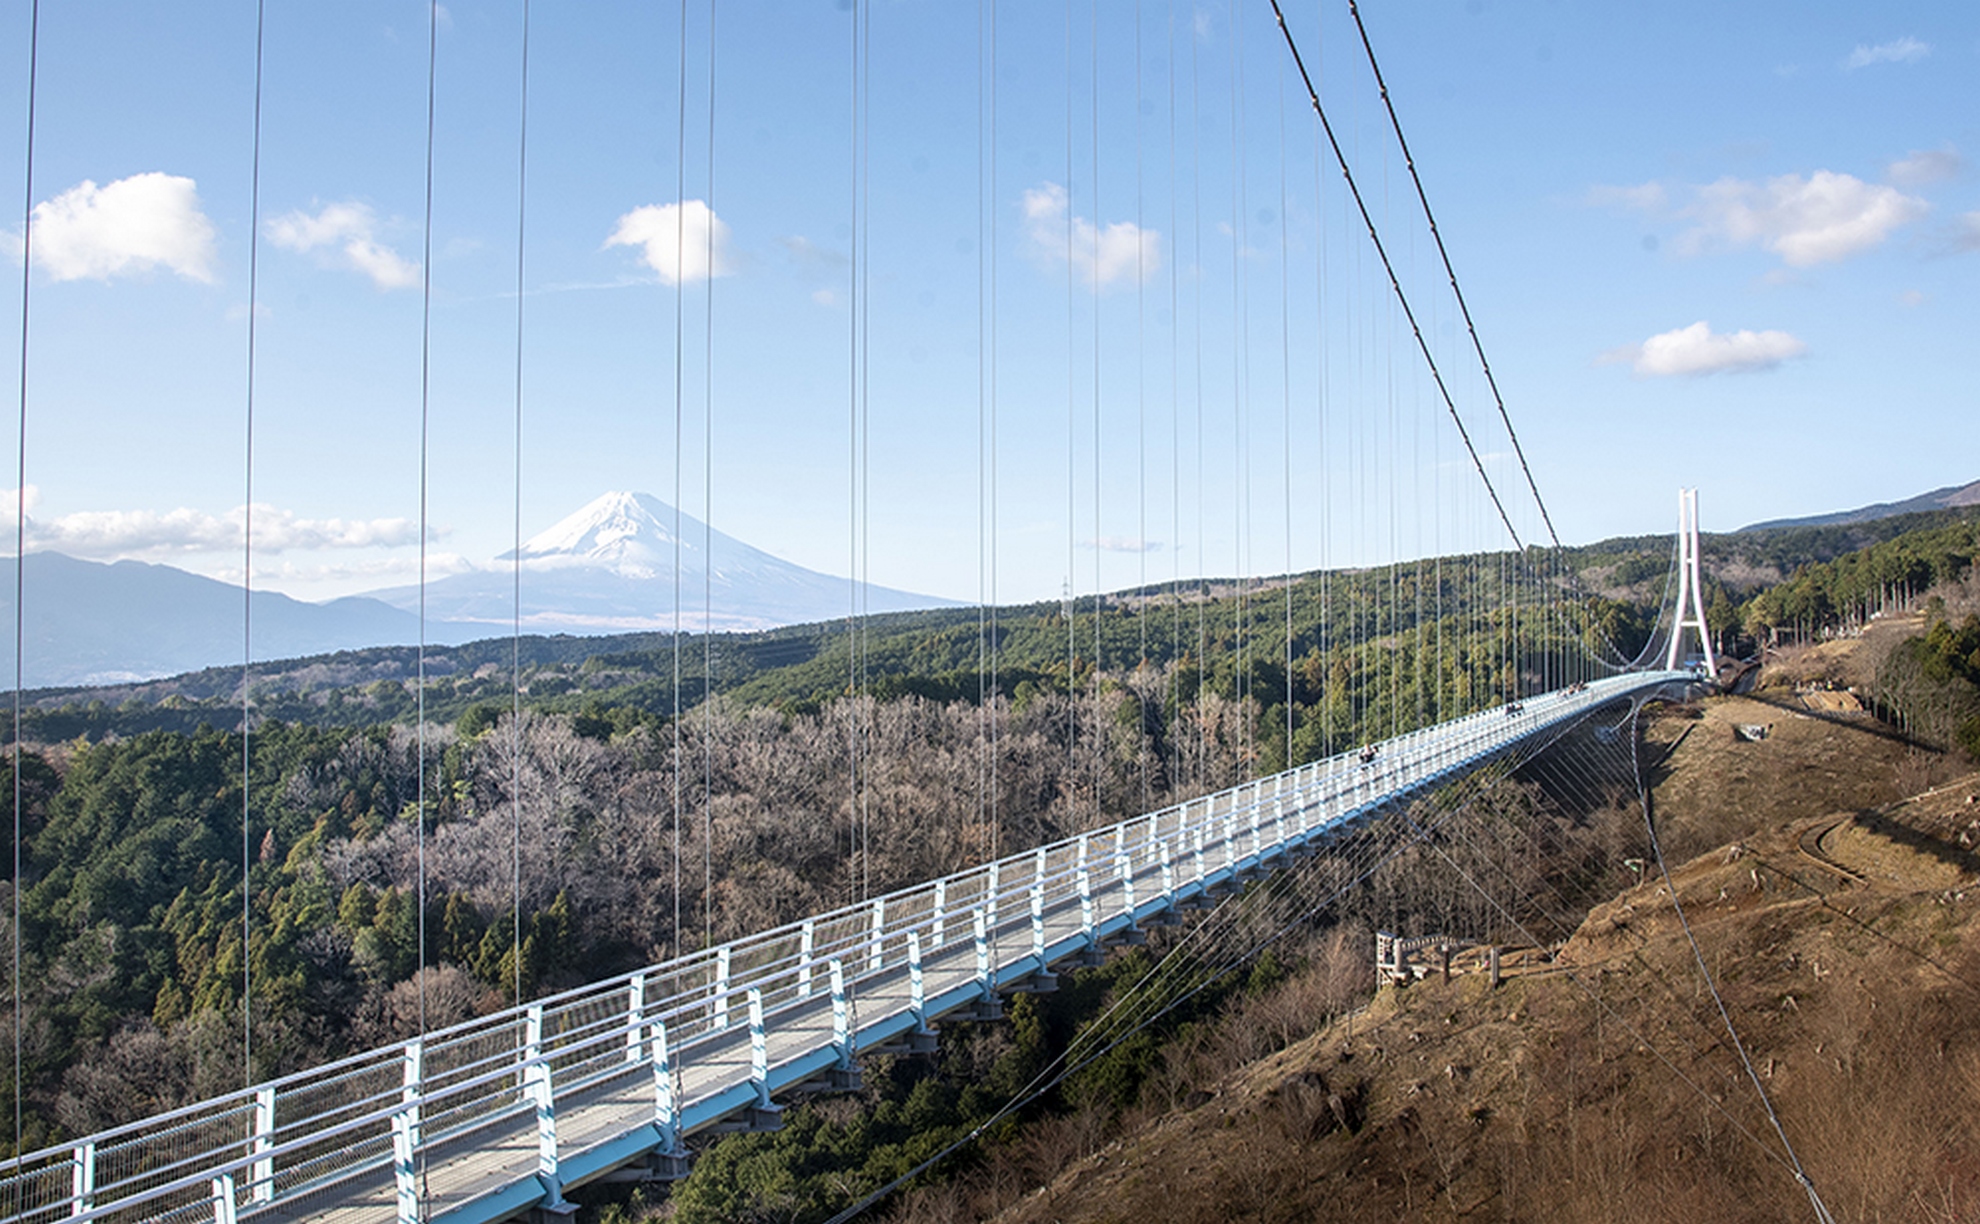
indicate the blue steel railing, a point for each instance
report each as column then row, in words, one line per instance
column 487, row 1118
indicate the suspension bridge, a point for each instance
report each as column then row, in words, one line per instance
column 499, row 1116
column 502, row 1115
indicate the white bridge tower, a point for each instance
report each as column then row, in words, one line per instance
column 1691, row 587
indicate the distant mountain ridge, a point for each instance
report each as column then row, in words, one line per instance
column 87, row 622
column 609, row 568
column 1951, row 497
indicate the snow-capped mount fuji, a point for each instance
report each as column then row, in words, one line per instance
column 609, row 568
column 630, row 534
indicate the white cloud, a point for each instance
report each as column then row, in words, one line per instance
column 1646, row 197
column 1897, row 51
column 1966, row 235
column 1101, row 256
column 825, row 297
column 350, row 229
column 1124, row 544
column 683, row 242
column 1818, row 219
column 1923, row 166
column 107, row 534
column 133, row 225
column 812, row 258
column 1696, row 350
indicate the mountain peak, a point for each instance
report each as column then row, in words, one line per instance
column 631, row 534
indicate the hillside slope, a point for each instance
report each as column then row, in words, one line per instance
column 1562, row 1095
column 1844, row 930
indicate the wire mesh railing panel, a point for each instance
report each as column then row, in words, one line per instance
column 39, row 1193
column 333, row 1158
column 185, row 1207
column 135, row 1163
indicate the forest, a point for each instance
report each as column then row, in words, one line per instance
column 574, row 820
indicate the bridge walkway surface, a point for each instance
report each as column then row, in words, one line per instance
column 500, row 1115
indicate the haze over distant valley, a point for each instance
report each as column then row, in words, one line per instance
column 607, row 568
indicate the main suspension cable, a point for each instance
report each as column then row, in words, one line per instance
column 1395, row 285
column 1410, row 162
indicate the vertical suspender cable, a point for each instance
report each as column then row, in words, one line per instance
column 1285, row 409
column 247, row 565
column 864, row 707
column 1070, row 605
column 425, row 405
column 20, row 544
column 1099, row 657
column 852, row 486
column 515, row 564
column 708, row 534
column 1142, row 603
column 680, row 344
column 1173, row 706
column 989, row 809
column 987, row 254
column 1321, row 373
column 984, row 691
column 1240, row 373
column 1196, row 311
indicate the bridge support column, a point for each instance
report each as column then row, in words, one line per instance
column 672, row 1153
column 721, row 1017
column 1038, row 908
column 82, row 1178
column 937, row 931
column 842, row 1038
column 1124, row 865
column 876, row 953
column 403, row 1169
column 807, row 948
column 843, row 1075
column 1085, row 880
column 990, row 1005
column 224, row 1211
column 765, row 1115
column 412, row 1078
column 261, row 1174
column 635, row 1014
column 917, row 994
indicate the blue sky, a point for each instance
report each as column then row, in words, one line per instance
column 1734, row 248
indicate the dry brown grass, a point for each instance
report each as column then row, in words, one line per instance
column 1606, row 1088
